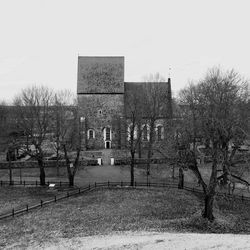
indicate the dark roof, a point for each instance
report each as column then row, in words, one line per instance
column 142, row 87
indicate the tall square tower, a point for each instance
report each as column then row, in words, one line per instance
column 100, row 91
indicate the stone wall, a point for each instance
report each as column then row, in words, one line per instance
column 101, row 111
column 100, row 75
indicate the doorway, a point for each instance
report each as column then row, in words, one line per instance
column 107, row 144
column 107, row 137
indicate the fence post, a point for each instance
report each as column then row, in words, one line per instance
column 13, row 212
column 242, row 198
column 36, row 183
column 41, row 203
column 27, row 208
column 121, row 183
column 24, row 183
column 79, row 190
column 55, row 198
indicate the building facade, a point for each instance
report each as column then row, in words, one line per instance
column 102, row 98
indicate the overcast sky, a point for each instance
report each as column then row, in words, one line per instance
column 41, row 39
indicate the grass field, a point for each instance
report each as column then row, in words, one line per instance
column 114, row 173
column 89, row 174
column 18, row 197
column 107, row 211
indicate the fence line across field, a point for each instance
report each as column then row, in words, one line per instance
column 108, row 184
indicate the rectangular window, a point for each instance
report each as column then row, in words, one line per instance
column 108, row 134
column 145, row 133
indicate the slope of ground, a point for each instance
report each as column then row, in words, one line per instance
column 106, row 212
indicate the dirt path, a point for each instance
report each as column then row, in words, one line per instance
column 152, row 240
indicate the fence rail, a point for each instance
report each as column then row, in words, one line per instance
column 91, row 187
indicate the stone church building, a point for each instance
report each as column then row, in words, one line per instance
column 103, row 97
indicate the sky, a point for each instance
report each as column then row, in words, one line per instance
column 40, row 40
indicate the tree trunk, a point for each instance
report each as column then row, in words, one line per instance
column 139, row 149
column 225, row 175
column 10, row 169
column 150, row 146
column 173, row 170
column 225, row 166
column 10, row 172
column 57, row 162
column 42, row 172
column 71, row 179
column 181, row 179
column 132, row 169
column 208, row 210
column 209, row 196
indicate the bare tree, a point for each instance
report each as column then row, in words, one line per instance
column 214, row 105
column 156, row 105
column 64, row 107
column 72, row 148
column 70, row 139
column 68, row 131
column 34, row 119
column 134, row 116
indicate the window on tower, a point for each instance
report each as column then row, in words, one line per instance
column 91, row 134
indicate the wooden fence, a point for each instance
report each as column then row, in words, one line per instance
column 13, row 212
column 32, row 183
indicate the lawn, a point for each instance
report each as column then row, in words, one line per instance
column 18, row 197
column 117, row 210
column 86, row 175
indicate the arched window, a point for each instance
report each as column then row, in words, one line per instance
column 91, row 134
column 159, row 133
column 130, row 131
column 107, row 135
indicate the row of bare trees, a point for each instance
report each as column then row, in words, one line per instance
column 147, row 104
column 40, row 113
column 44, row 116
column 215, row 109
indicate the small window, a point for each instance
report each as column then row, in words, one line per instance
column 108, row 134
column 145, row 133
column 91, row 134
column 130, row 132
column 159, row 133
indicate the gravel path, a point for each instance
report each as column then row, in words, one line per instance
column 152, row 240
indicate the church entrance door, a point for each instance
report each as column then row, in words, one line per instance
column 107, row 144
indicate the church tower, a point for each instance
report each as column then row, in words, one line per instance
column 100, row 92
